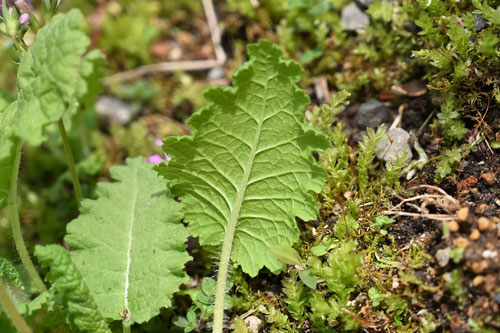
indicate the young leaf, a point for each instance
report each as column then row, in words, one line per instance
column 49, row 76
column 8, row 272
column 287, row 254
column 67, row 280
column 129, row 244
column 248, row 170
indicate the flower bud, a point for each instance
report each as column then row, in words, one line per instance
column 24, row 19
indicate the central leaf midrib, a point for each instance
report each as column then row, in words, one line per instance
column 129, row 246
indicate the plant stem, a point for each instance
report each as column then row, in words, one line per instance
column 15, row 223
column 71, row 162
column 220, row 288
column 10, row 308
column 127, row 329
column 227, row 245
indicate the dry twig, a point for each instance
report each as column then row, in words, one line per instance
column 173, row 66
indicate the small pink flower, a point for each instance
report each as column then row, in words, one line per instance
column 24, row 19
column 155, row 159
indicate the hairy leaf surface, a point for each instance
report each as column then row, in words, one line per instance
column 129, row 243
column 53, row 78
column 249, row 161
column 67, row 280
column 49, row 76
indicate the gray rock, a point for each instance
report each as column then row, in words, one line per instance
column 390, row 151
column 253, row 324
column 497, row 298
column 443, row 256
column 215, row 73
column 354, row 18
column 115, row 111
column 364, row 3
column 372, row 114
column 479, row 22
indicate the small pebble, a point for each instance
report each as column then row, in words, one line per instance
column 474, row 235
column 481, row 208
column 372, row 114
column 253, row 324
column 489, row 177
column 390, row 151
column 479, row 23
column 354, row 18
column 453, row 226
column 483, row 223
column 479, row 267
column 463, row 213
column 497, row 298
column 113, row 110
column 488, row 254
column 478, row 280
column 443, row 256
column 462, row 242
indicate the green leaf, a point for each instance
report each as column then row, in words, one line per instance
column 8, row 272
column 49, row 76
column 286, row 254
column 381, row 11
column 310, row 55
column 129, row 244
column 249, row 164
column 308, row 278
column 459, row 37
column 488, row 44
column 46, row 310
column 67, row 280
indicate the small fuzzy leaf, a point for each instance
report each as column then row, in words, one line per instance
column 308, row 278
column 129, row 244
column 67, row 280
column 8, row 272
column 286, row 254
column 249, row 165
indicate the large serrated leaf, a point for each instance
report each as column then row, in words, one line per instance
column 129, row 244
column 67, row 280
column 249, row 164
column 49, row 76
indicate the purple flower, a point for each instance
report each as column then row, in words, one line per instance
column 157, row 158
column 24, row 18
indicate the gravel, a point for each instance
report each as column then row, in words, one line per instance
column 372, row 114
column 390, row 151
column 354, row 18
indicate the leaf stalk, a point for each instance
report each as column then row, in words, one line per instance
column 15, row 223
column 11, row 310
column 227, row 245
column 127, row 328
column 71, row 162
